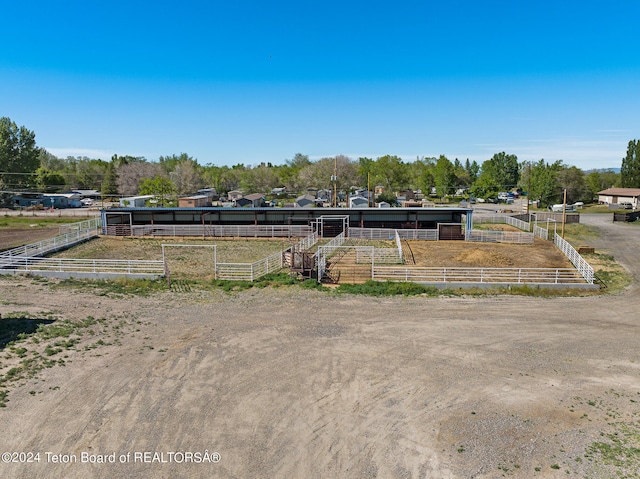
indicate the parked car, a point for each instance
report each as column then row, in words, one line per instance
column 625, row 206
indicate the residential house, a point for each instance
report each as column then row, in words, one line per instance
column 254, row 200
column 305, row 201
column 358, row 202
column 235, row 194
column 135, row 201
column 615, row 196
column 193, row 201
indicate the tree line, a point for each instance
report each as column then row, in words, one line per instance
column 24, row 165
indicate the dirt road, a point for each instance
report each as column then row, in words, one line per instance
column 305, row 384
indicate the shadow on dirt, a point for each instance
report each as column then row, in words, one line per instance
column 17, row 328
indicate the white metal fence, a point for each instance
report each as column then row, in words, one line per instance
column 399, row 246
column 327, row 250
column 510, row 220
column 541, row 232
column 249, row 271
column 251, row 231
column 584, row 268
column 477, row 275
column 519, row 237
column 390, row 233
column 9, row 257
column 270, row 264
column 92, row 224
column 97, row 266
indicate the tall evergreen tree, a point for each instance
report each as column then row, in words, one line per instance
column 110, row 182
column 630, row 170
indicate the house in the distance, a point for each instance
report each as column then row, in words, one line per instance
column 193, row 201
column 616, row 196
column 305, row 201
column 254, row 200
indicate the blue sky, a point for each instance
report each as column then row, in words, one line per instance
column 250, row 82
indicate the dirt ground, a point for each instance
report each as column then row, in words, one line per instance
column 14, row 237
column 541, row 254
column 288, row 383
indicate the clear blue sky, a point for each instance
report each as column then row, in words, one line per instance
column 248, row 81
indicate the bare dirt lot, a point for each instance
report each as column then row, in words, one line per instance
column 541, row 254
column 12, row 238
column 292, row 383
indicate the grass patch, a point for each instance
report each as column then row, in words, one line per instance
column 274, row 280
column 116, row 288
column 35, row 344
column 579, row 233
column 19, row 222
column 388, row 288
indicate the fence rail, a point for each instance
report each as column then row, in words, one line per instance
column 251, row 231
column 34, row 264
column 249, row 271
column 390, row 233
column 498, row 219
column 477, row 275
column 541, row 232
column 92, row 224
column 483, row 236
column 584, row 268
column 9, row 257
column 270, row 264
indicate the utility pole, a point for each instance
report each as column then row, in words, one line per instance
column 528, row 186
column 334, row 178
column 564, row 210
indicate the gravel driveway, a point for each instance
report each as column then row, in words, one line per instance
column 304, row 384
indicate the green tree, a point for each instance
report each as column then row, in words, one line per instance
column 289, row 174
column 110, row 182
column 48, row 180
column 444, row 176
column 390, row 172
column 500, row 173
column 162, row 189
column 472, row 169
column 542, row 179
column 572, row 179
column 19, row 155
column 630, row 170
column 421, row 174
column 601, row 180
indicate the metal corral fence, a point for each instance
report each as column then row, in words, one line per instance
column 380, row 255
column 389, row 234
column 541, row 232
column 399, row 247
column 93, row 266
column 510, row 220
column 270, row 264
column 250, row 231
column 327, row 250
column 41, row 248
column 519, row 237
column 584, row 268
column 92, row 224
column 478, row 275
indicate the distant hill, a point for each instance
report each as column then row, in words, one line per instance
column 592, row 170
